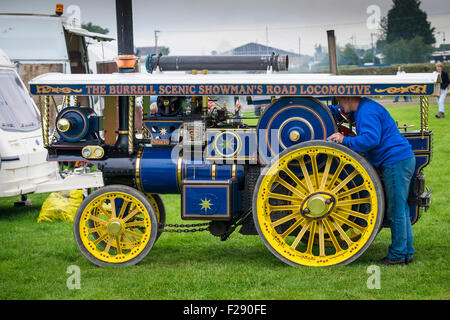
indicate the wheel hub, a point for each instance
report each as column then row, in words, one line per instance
column 294, row 135
column 317, row 205
column 114, row 227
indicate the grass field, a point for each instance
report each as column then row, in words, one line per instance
column 34, row 257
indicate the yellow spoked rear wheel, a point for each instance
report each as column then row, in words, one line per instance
column 115, row 225
column 319, row 204
column 160, row 210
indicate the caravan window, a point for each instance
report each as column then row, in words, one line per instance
column 17, row 112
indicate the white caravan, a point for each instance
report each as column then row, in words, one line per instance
column 23, row 159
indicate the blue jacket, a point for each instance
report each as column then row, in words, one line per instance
column 377, row 135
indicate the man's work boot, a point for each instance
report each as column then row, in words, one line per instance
column 440, row 115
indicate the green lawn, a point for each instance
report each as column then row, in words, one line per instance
column 34, row 257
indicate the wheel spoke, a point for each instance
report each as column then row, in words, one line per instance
column 306, row 175
column 100, row 239
column 113, row 208
column 97, row 229
column 295, row 178
column 290, row 188
column 347, row 222
column 345, row 181
column 104, row 211
column 119, row 248
column 351, row 191
column 352, row 202
column 336, row 173
column 291, row 207
column 315, row 170
column 128, row 241
column 326, row 172
column 342, row 233
column 312, row 234
column 336, row 245
column 135, row 223
column 284, row 219
column 97, row 219
column 134, row 234
column 341, row 211
column 321, row 240
column 291, row 228
column 131, row 215
column 279, row 196
column 300, row 235
column 122, row 210
column 108, row 245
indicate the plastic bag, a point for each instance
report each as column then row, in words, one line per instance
column 61, row 206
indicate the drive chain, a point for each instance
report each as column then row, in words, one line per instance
column 179, row 226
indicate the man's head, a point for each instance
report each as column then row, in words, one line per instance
column 349, row 104
column 439, row 67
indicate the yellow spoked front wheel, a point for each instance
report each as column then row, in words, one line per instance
column 115, row 225
column 319, row 204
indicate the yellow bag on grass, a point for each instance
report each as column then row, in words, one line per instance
column 61, row 206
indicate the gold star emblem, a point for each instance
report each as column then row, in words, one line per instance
column 227, row 144
column 205, row 204
column 163, row 131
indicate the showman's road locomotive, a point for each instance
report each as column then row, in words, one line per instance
column 313, row 202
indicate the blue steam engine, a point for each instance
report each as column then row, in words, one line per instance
column 312, row 202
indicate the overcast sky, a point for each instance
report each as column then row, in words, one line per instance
column 200, row 26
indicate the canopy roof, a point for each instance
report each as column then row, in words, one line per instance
column 234, row 84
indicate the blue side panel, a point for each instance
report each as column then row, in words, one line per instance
column 164, row 130
column 210, row 200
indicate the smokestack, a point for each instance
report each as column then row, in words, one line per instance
column 124, row 18
column 332, row 52
column 126, row 61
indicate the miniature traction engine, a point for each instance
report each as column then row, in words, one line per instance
column 312, row 202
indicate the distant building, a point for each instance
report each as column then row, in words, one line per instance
column 254, row 49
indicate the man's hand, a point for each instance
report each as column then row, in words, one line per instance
column 336, row 137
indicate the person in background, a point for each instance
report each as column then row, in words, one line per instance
column 401, row 72
column 385, row 148
column 443, row 93
column 153, row 109
column 237, row 110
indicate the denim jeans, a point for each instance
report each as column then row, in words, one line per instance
column 397, row 178
column 407, row 98
column 441, row 100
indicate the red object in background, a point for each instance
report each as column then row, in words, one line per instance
column 347, row 131
column 211, row 105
